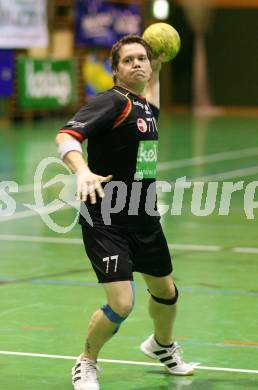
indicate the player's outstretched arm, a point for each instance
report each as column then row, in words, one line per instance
column 88, row 183
column 153, row 89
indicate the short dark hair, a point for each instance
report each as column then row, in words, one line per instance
column 126, row 40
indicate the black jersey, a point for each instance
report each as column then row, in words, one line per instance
column 122, row 136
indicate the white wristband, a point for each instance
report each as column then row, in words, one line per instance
column 69, row 146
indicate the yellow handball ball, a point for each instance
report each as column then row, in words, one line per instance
column 163, row 38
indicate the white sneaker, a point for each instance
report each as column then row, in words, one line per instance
column 170, row 357
column 84, row 375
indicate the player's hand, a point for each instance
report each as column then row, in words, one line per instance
column 89, row 185
column 156, row 63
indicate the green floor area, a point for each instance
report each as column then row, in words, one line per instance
column 48, row 290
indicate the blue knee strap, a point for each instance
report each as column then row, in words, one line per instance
column 112, row 315
column 133, row 289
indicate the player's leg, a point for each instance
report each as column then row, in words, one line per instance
column 103, row 325
column 109, row 254
column 162, row 309
column 154, row 262
column 162, row 306
column 106, row 320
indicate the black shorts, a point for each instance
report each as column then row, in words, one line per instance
column 115, row 254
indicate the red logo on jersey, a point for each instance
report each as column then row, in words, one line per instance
column 142, row 125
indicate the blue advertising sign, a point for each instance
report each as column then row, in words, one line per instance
column 101, row 23
column 6, row 72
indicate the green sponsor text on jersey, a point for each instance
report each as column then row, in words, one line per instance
column 146, row 165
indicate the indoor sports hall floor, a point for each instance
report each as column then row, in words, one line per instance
column 48, row 291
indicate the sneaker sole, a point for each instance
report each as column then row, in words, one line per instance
column 182, row 373
column 172, row 372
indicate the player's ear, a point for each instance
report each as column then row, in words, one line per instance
column 114, row 75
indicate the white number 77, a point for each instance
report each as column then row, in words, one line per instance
column 107, row 259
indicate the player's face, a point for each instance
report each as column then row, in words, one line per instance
column 134, row 67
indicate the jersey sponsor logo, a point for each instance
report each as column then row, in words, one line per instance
column 146, row 165
column 142, row 125
column 147, row 124
column 76, row 124
column 147, row 109
column 136, row 103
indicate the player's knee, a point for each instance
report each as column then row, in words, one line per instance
column 120, row 307
column 117, row 313
column 123, row 307
column 166, row 298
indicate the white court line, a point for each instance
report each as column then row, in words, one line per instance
column 209, row 248
column 33, row 213
column 19, row 215
column 227, row 369
column 234, row 154
column 196, row 365
column 50, row 240
column 32, row 187
column 78, row 241
column 245, row 250
column 223, row 156
column 228, row 174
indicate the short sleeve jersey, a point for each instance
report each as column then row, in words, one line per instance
column 122, row 137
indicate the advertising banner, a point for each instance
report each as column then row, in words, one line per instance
column 101, row 23
column 23, row 24
column 6, row 72
column 46, row 83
